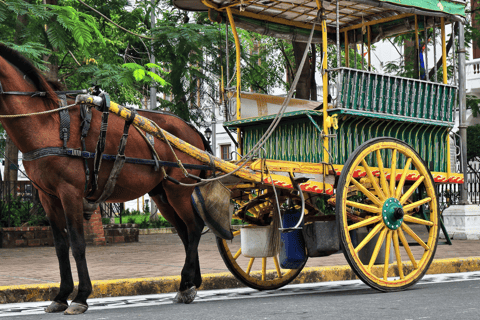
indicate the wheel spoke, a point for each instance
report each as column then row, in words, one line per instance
column 416, row 220
column 396, row 246
column 402, row 178
column 387, row 254
column 407, row 248
column 277, row 266
column 365, row 207
column 412, row 234
column 393, row 172
column 380, row 240
column 373, row 179
column 364, row 190
column 383, row 179
column 369, row 237
column 409, row 192
column 264, row 268
column 237, row 254
column 418, row 203
column 249, row 267
column 365, row 222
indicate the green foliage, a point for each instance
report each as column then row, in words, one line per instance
column 143, row 220
column 323, row 205
column 473, row 103
column 473, row 142
column 15, row 213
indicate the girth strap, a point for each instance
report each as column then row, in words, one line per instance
column 64, row 120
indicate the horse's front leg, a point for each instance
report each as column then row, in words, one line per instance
column 56, row 217
column 72, row 203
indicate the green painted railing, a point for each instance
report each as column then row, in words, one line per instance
column 390, row 95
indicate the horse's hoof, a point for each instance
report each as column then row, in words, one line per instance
column 186, row 296
column 56, row 307
column 76, row 308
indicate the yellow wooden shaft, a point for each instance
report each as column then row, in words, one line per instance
column 325, row 90
column 237, row 64
column 347, row 51
column 225, row 166
column 417, row 49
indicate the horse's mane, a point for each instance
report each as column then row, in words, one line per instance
column 29, row 70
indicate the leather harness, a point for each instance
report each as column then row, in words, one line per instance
column 119, row 159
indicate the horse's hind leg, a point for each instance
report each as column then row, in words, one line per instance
column 169, row 213
column 179, row 200
column 56, row 218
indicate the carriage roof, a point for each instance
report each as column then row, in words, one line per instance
column 279, row 17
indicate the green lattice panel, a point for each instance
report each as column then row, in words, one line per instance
column 366, row 91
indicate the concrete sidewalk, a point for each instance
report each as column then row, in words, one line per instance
column 162, row 255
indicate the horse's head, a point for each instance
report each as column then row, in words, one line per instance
column 18, row 74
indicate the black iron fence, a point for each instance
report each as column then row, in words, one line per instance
column 20, row 205
column 449, row 194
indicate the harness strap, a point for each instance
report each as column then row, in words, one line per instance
column 100, row 143
column 70, row 152
column 117, row 165
column 86, row 114
column 64, row 120
column 151, row 141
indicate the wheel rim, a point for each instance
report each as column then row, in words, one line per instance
column 260, row 273
column 388, row 213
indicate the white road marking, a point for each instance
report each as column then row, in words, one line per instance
column 31, row 308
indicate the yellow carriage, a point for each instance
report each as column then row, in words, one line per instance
column 360, row 174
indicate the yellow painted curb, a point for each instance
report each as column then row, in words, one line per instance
column 139, row 286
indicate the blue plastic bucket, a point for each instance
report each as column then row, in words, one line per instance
column 292, row 245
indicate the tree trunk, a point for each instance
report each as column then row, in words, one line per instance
column 411, row 57
column 304, row 83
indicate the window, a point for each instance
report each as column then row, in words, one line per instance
column 225, row 152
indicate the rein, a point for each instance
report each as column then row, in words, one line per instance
column 39, row 93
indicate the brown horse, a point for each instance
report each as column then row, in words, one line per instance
column 64, row 177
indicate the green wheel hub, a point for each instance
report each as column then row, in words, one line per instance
column 392, row 213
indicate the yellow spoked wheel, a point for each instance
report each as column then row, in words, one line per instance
column 385, row 242
column 262, row 273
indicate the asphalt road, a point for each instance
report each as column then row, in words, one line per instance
column 448, row 296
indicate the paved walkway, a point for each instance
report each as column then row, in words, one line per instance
column 153, row 256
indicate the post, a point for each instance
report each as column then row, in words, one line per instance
column 417, row 50
column 444, row 51
column 347, row 51
column 325, row 86
column 237, row 64
column 153, row 89
column 462, row 110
